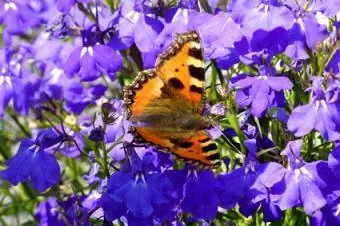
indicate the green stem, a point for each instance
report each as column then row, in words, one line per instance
column 231, row 115
column 22, row 127
column 105, row 161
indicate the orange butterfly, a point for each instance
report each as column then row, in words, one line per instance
column 165, row 104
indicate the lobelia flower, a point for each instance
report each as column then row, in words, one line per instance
column 183, row 20
column 135, row 191
column 311, row 185
column 27, row 92
column 259, row 14
column 32, row 160
column 322, row 113
column 92, row 56
column 218, row 34
column 327, row 7
column 77, row 97
column 64, row 6
column 328, row 215
column 47, row 213
column 334, row 64
column 305, row 30
column 334, row 160
column 92, row 175
column 136, row 26
column 73, row 211
column 10, row 71
column 250, row 186
column 18, row 17
column 261, row 92
column 69, row 148
column 200, row 196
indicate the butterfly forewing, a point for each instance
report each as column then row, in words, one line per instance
column 144, row 89
column 182, row 68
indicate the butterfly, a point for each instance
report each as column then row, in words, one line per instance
column 165, row 104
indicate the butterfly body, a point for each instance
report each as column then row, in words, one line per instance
column 165, row 104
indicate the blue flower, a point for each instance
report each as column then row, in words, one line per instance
column 33, row 161
column 258, row 15
column 321, row 114
column 139, row 28
column 47, row 213
column 250, row 185
column 218, row 34
column 328, row 215
column 18, row 17
column 334, row 160
column 138, row 192
column 311, row 185
column 305, row 30
column 261, row 92
column 334, row 64
column 74, row 210
column 65, row 6
column 77, row 98
column 91, row 57
column 200, row 194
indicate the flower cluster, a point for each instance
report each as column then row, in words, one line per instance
column 273, row 94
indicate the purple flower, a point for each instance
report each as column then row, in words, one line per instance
column 261, row 92
column 250, row 185
column 219, row 33
column 5, row 93
column 33, row 161
column 77, row 98
column 305, row 30
column 328, row 215
column 306, row 184
column 72, row 211
column 258, row 15
column 183, row 20
column 139, row 28
column 18, row 17
column 92, row 175
column 143, row 194
column 334, row 160
column 296, row 47
column 91, row 57
column 47, row 213
column 321, row 114
column 327, row 7
column 334, row 64
column 64, row 6
column 26, row 92
column 10, row 71
column 200, row 194
column 69, row 148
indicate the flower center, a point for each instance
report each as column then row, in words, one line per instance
column 85, row 50
column 5, row 79
column 10, row 5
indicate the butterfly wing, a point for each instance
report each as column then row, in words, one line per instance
column 141, row 92
column 199, row 149
column 145, row 89
column 181, row 67
column 179, row 74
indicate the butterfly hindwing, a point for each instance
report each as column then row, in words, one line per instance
column 198, row 149
column 182, row 68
